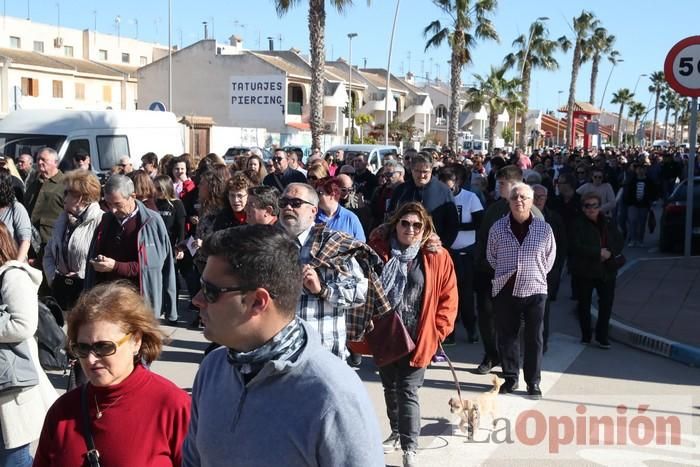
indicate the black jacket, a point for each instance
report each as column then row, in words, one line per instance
column 585, row 247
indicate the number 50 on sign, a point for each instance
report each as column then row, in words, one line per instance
column 682, row 67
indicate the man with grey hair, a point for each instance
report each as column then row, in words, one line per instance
column 334, row 271
column 132, row 243
column 390, row 177
column 44, row 196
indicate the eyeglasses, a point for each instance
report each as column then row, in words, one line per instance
column 411, row 225
column 597, row 177
column 99, row 348
column 591, row 206
column 581, row 173
column 295, row 203
column 519, row 197
column 212, row 292
column 277, row 159
column 347, row 190
column 238, row 195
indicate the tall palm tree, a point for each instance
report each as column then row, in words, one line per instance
column 668, row 101
column 469, row 22
column 636, row 111
column 583, row 26
column 678, row 107
column 599, row 45
column 533, row 51
column 497, row 93
column 623, row 97
column 317, row 31
column 658, row 84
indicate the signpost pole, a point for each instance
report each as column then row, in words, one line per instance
column 691, row 177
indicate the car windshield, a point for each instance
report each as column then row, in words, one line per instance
column 681, row 191
column 16, row 144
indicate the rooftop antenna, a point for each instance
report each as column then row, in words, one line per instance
column 28, row 17
column 136, row 24
column 280, row 41
column 364, row 62
column 180, row 31
column 206, row 30
column 94, row 25
column 58, row 21
column 117, row 24
column 409, row 61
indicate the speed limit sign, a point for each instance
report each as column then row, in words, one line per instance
column 682, row 67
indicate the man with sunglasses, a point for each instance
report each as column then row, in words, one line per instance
column 283, row 173
column 272, row 395
column 334, row 280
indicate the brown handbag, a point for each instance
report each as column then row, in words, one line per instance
column 389, row 340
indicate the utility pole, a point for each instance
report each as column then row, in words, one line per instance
column 350, row 37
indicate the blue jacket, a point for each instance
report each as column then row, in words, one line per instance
column 344, row 220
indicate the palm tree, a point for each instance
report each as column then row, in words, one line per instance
column 495, row 92
column 636, row 111
column 600, row 44
column 678, row 108
column 533, row 51
column 583, row 26
column 668, row 101
column 469, row 22
column 317, row 31
column 622, row 96
column 658, row 84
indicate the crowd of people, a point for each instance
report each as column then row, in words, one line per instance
column 290, row 264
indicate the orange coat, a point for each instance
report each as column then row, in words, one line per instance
column 439, row 311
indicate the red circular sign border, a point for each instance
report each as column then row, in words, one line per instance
column 668, row 67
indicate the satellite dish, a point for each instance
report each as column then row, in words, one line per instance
column 157, row 106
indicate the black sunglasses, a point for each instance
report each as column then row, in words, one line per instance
column 411, row 225
column 295, row 203
column 277, row 159
column 212, row 292
column 100, row 348
column 591, row 206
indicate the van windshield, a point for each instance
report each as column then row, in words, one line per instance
column 16, row 144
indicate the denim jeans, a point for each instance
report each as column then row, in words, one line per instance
column 15, row 457
column 401, row 383
column 637, row 219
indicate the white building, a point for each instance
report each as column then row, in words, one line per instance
column 46, row 67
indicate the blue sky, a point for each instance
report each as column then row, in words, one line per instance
column 645, row 30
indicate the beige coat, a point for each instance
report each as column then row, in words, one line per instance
column 22, row 413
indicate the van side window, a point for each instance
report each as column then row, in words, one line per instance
column 73, row 147
column 110, row 148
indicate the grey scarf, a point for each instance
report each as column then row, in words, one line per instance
column 283, row 346
column 395, row 272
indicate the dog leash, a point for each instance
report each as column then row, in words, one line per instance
column 454, row 376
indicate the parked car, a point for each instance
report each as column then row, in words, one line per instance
column 672, row 225
column 375, row 153
column 303, row 152
column 235, row 151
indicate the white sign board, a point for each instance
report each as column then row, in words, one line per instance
column 258, row 97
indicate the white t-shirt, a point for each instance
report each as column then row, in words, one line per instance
column 467, row 203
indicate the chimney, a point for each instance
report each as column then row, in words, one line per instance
column 271, row 42
column 409, row 78
column 206, row 30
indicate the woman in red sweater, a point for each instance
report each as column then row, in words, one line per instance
column 136, row 417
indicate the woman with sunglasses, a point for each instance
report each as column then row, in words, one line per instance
column 135, row 416
column 21, row 412
column 603, row 189
column 421, row 287
column 596, row 243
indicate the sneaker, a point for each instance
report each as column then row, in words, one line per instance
column 485, row 366
column 410, row 459
column 392, row 443
column 439, row 357
column 355, row 359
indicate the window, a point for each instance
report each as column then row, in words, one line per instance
column 143, row 61
column 15, row 42
column 39, row 47
column 74, row 146
column 30, row 87
column 80, row 91
column 102, row 54
column 110, row 149
column 125, row 58
column 107, row 94
column 57, row 88
column 68, row 50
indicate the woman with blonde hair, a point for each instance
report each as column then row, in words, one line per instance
column 316, row 172
column 422, row 289
column 144, row 190
column 114, row 333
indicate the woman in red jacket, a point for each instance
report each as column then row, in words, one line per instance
column 136, row 417
column 420, row 285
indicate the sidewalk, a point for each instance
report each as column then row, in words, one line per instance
column 657, row 307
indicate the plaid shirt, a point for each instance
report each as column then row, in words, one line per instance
column 529, row 261
column 348, row 268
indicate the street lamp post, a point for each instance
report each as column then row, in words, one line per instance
column 637, row 83
column 558, row 119
column 522, row 70
column 602, row 100
column 350, row 37
column 388, row 75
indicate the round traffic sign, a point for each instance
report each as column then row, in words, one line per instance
column 682, row 67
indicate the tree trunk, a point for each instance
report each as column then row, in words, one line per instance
column 634, row 132
column 575, row 65
column 317, row 29
column 619, row 125
column 656, row 111
column 493, row 121
column 455, row 85
column 675, row 126
column 666, row 123
column 594, row 78
column 527, row 69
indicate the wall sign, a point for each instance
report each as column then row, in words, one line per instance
column 258, row 94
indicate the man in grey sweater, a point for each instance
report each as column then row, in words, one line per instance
column 271, row 395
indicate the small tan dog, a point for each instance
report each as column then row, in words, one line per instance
column 473, row 409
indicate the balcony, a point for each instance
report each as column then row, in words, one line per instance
column 294, row 108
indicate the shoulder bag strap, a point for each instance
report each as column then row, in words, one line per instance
column 93, row 455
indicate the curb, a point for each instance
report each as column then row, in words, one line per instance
column 626, row 334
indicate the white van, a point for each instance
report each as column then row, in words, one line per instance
column 105, row 134
column 376, row 153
